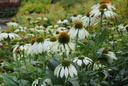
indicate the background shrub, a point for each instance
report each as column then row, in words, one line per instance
column 8, row 9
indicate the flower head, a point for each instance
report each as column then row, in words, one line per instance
column 97, row 65
column 19, row 49
column 62, row 21
column 59, row 30
column 65, row 69
column 82, row 60
column 12, row 23
column 103, row 8
column 63, row 44
column 89, row 19
column 78, row 30
column 53, row 38
column 63, row 37
column 40, row 39
column 38, row 45
column 46, row 82
column 78, row 24
column 20, row 29
column 76, row 17
column 7, row 34
column 126, row 25
column 111, row 55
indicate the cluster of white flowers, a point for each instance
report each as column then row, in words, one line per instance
column 62, row 40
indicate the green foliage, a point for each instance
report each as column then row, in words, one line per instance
column 103, row 35
column 33, row 7
column 24, row 2
column 47, row 1
column 24, row 69
column 8, row 12
column 8, row 80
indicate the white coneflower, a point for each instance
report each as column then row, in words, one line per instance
column 125, row 24
column 39, row 18
column 82, row 60
column 38, row 46
column 78, row 31
column 43, row 31
column 121, row 28
column 21, row 46
column 59, row 30
column 35, row 83
column 8, row 35
column 52, row 28
column 39, row 26
column 63, row 44
column 110, row 54
column 2, row 62
column 45, row 18
column 51, row 40
column 21, row 29
column 76, row 17
column 65, row 69
column 20, row 49
column 12, row 24
column 62, row 21
column 103, row 9
column 97, row 65
column 89, row 20
column 29, row 35
column 46, row 82
column 110, row 6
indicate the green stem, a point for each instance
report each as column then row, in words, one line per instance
column 9, row 51
column 89, row 24
column 18, row 65
column 97, row 39
column 77, row 39
column 63, row 53
column 25, row 61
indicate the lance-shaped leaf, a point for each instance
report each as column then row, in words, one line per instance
column 103, row 35
column 8, row 80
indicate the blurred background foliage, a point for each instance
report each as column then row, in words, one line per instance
column 56, row 9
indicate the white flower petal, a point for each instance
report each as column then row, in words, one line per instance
column 62, row 72
column 66, row 72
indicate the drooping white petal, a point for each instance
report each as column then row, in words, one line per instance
column 79, row 62
column 73, row 69
column 62, row 72
column 66, row 72
column 75, row 60
column 57, row 70
column 40, row 47
column 112, row 55
column 70, row 71
column 15, row 47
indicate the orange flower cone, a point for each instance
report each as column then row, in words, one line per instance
column 108, row 1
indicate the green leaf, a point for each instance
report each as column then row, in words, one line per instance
column 8, row 80
column 24, row 83
column 52, row 63
column 26, row 76
column 73, row 82
column 103, row 35
column 105, row 83
column 47, row 1
column 105, row 73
